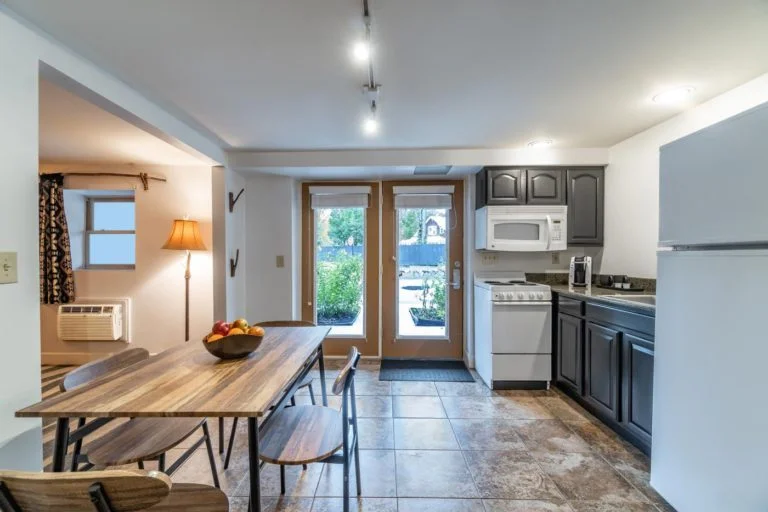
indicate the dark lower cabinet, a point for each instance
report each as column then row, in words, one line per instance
column 637, row 386
column 570, row 351
column 601, row 369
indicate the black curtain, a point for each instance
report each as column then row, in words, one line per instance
column 57, row 283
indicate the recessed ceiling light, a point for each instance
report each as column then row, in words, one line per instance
column 370, row 126
column 672, row 96
column 540, row 143
column 361, row 51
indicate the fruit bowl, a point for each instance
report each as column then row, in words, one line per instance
column 233, row 347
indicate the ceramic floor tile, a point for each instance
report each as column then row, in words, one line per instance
column 522, row 407
column 550, row 435
column 376, row 433
column 587, row 477
column 240, row 504
column 299, row 482
column 510, row 475
column 372, row 387
column 356, row 505
column 526, row 506
column 602, row 440
column 592, row 506
column 433, row 474
column 367, row 406
column 377, row 472
column 462, row 389
column 565, row 409
column 472, row 407
column 439, row 505
column 637, row 470
column 417, row 407
column 487, row 434
column 424, row 434
column 414, row 388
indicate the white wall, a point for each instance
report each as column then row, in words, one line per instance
column 156, row 285
column 632, row 180
column 20, row 439
column 270, row 233
column 22, row 53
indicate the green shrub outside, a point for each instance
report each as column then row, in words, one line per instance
column 339, row 287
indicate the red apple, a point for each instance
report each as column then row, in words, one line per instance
column 221, row 327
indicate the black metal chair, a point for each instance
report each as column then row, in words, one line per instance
column 305, row 383
column 312, row 433
column 139, row 439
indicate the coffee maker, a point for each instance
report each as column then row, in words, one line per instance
column 580, row 272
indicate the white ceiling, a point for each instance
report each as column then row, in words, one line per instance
column 270, row 74
column 73, row 130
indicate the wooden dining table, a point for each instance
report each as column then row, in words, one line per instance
column 187, row 381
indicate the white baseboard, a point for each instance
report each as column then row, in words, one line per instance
column 71, row 358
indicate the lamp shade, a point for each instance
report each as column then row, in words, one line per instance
column 185, row 236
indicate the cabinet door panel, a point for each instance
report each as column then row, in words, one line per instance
column 546, row 186
column 570, row 351
column 637, row 386
column 601, row 376
column 585, row 206
column 506, row 186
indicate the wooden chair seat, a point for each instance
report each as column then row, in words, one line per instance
column 140, row 439
column 302, row 434
column 193, row 498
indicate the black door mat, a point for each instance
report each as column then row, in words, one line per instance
column 426, row 370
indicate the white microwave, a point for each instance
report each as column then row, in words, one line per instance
column 521, row 228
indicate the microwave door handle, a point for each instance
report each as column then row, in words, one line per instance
column 549, row 231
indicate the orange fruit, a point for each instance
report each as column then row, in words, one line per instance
column 235, row 330
column 256, row 331
column 213, row 337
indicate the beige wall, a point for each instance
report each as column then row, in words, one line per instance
column 156, row 286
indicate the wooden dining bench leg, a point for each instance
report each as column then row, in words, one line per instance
column 161, row 463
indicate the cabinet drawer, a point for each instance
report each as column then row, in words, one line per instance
column 626, row 319
column 570, row 306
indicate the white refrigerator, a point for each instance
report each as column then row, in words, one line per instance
column 710, row 409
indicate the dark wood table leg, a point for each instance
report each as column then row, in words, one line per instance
column 321, row 363
column 60, row 444
column 221, row 435
column 253, row 465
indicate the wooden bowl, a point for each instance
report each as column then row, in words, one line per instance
column 233, row 347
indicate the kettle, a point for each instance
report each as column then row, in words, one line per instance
column 580, row 272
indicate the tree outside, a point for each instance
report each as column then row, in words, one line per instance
column 346, row 226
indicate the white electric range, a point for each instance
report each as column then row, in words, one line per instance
column 513, row 331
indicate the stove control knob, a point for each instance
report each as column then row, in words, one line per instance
column 540, row 295
column 520, row 295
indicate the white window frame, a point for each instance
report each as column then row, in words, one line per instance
column 89, row 203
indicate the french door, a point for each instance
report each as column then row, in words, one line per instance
column 340, row 264
column 422, row 250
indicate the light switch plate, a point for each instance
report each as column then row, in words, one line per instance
column 280, row 261
column 8, row 269
column 555, row 258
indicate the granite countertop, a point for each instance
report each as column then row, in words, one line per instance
column 603, row 295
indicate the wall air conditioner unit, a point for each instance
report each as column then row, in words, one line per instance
column 90, row 322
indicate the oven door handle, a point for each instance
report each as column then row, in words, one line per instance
column 549, row 231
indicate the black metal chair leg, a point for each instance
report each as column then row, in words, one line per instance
column 293, row 401
column 231, row 444
column 141, row 464
column 221, row 435
column 78, row 446
column 346, row 482
column 211, row 458
column 357, row 468
column 282, row 479
column 161, row 463
column 312, row 395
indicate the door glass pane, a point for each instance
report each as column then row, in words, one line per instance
column 422, row 258
column 339, row 270
column 516, row 231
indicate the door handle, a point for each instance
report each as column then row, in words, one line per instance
column 549, row 231
column 456, row 283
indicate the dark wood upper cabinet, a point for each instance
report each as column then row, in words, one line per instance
column 501, row 186
column 570, row 341
column 585, row 197
column 601, row 369
column 637, row 386
column 546, row 186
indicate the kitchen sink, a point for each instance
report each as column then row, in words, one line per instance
column 648, row 300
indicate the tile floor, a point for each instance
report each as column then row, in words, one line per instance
column 454, row 447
